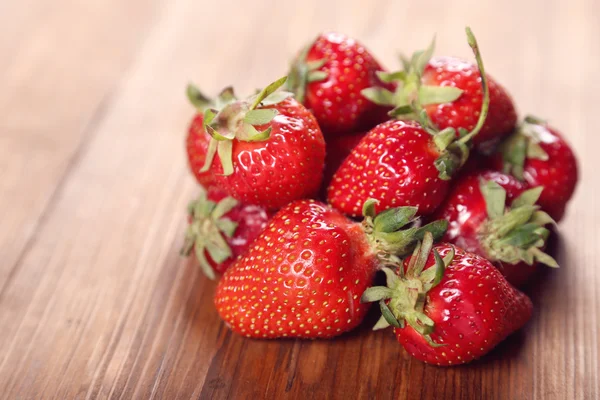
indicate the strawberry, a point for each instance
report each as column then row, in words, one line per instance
column 305, row 273
column 328, row 76
column 221, row 229
column 449, row 306
column 450, row 91
column 403, row 163
column 538, row 155
column 197, row 139
column 267, row 150
column 479, row 222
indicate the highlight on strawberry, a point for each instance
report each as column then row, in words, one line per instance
column 448, row 306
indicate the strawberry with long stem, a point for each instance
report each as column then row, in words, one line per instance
column 404, row 162
column 304, row 275
column 448, row 306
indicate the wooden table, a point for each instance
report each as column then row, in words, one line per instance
column 94, row 298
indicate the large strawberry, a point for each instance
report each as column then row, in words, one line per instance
column 305, row 273
column 449, row 306
column 221, row 229
column 450, row 91
column 404, row 162
column 480, row 222
column 197, row 139
column 328, row 76
column 267, row 150
column 538, row 155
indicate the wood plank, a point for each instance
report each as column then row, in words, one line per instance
column 101, row 305
column 61, row 62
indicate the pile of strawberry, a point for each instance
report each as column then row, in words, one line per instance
column 430, row 153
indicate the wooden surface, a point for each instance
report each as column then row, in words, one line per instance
column 95, row 301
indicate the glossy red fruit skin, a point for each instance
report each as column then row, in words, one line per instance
column 474, row 308
column 558, row 175
column 251, row 221
column 196, row 146
column 338, row 148
column 464, row 112
column 303, row 276
column 465, row 210
column 393, row 163
column 286, row 167
column 336, row 101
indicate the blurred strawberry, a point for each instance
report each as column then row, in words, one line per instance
column 328, row 76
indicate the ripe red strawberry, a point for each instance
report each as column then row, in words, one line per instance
column 305, row 273
column 404, row 162
column 450, row 91
column 221, row 229
column 512, row 238
column 267, row 150
column 449, row 306
column 196, row 145
column 463, row 112
column 328, row 76
column 538, row 155
column 337, row 149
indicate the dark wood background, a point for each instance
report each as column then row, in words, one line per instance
column 95, row 301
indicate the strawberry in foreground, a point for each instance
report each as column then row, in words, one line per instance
column 197, row 139
column 328, row 77
column 304, row 275
column 267, row 150
column 450, row 91
column 448, row 306
column 221, row 229
column 479, row 221
column 405, row 162
column 538, row 154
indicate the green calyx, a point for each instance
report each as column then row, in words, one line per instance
column 402, row 300
column 522, row 145
column 205, row 232
column 515, row 234
column 411, row 96
column 228, row 118
column 394, row 233
column 303, row 72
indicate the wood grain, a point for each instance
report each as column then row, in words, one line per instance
column 95, row 301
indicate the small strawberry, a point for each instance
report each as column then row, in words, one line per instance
column 450, row 91
column 304, row 274
column 479, row 222
column 538, row 155
column 267, row 150
column 449, row 306
column 404, row 162
column 197, row 139
column 327, row 78
column 221, row 229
